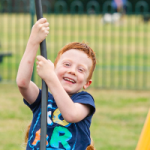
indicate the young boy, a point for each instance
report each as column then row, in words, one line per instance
column 69, row 111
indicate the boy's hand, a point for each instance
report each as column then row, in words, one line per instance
column 45, row 68
column 39, row 32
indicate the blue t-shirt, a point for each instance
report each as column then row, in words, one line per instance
column 61, row 135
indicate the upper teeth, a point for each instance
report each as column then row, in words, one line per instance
column 69, row 80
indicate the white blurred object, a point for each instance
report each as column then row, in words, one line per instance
column 111, row 18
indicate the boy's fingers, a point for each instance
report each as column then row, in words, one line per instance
column 47, row 32
column 39, row 57
column 46, row 24
column 42, row 20
column 50, row 61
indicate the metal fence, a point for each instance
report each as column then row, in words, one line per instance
column 120, row 40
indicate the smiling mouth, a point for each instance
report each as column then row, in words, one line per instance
column 69, row 80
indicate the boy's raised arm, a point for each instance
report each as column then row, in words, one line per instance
column 28, row 89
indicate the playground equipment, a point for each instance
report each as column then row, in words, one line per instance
column 44, row 97
column 144, row 140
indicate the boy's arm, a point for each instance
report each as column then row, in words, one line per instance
column 71, row 112
column 28, row 89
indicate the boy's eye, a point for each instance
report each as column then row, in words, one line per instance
column 81, row 70
column 66, row 64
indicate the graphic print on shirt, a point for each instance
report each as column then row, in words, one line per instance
column 59, row 136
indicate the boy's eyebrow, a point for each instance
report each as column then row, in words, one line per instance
column 63, row 60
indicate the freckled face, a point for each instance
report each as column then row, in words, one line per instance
column 72, row 70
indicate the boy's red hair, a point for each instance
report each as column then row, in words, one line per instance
column 81, row 47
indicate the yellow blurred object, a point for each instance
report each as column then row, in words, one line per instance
column 144, row 140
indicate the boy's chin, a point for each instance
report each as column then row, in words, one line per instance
column 70, row 92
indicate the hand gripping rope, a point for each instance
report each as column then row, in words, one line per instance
column 44, row 98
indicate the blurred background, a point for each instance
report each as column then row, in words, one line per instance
column 117, row 30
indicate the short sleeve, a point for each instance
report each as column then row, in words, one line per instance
column 36, row 104
column 84, row 98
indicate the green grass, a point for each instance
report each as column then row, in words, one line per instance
column 116, row 125
column 121, row 49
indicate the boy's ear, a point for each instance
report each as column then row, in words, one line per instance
column 87, row 84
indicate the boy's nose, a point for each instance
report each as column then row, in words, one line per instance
column 72, row 71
